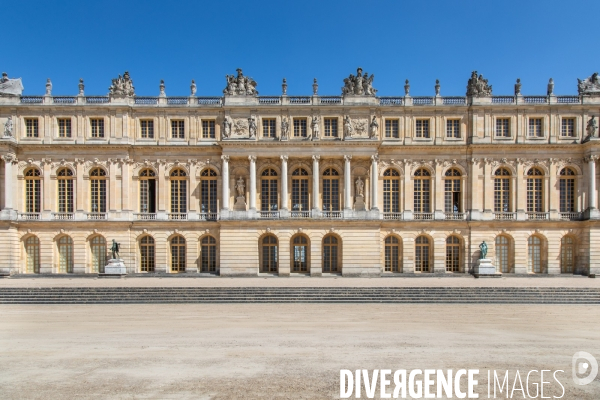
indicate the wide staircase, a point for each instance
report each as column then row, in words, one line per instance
column 163, row 295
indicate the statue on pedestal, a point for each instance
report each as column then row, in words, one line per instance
column 285, row 128
column 484, row 249
column 360, row 187
column 240, row 187
column 8, row 128
column 252, row 127
column 115, row 249
column 477, row 86
column 592, row 127
column 227, row 127
column 315, row 127
column 374, row 127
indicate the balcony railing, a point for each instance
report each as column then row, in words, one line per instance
column 177, row 101
column 299, row 214
column 330, row 100
column 568, row 99
column 145, row 216
column 97, row 215
column 455, row 216
column 392, row 215
column 423, row 216
column 97, row 99
column 332, row 214
column 503, row 99
column 538, row 216
column 536, row 99
column 178, row 216
column 146, row 100
column 64, row 99
column 422, row 101
column 268, row 214
column 210, row 101
column 269, row 100
column 209, row 216
column 30, row 216
column 63, row 216
column 454, row 101
column 571, row 216
column 390, row 101
column 32, row 99
column 300, row 100
column 505, row 216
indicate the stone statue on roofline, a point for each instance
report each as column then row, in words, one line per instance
column 359, row 85
column 240, row 85
column 589, row 86
column 122, row 86
column 477, row 86
column 10, row 87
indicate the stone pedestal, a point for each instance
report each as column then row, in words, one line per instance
column 115, row 266
column 485, row 267
column 240, row 204
column 359, row 203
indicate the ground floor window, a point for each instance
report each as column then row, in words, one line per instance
column 422, row 254
column 98, row 248
column 147, row 254
column 393, row 255
column 65, row 254
column 269, row 252
column 178, row 254
column 453, row 255
column 32, row 252
column 504, row 254
column 330, row 254
column 208, row 254
column 567, row 255
column 300, row 254
column 536, row 255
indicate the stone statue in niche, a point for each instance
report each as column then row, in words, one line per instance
column 285, row 128
column 240, row 85
column 348, row 129
column 10, row 87
column 8, row 128
column 240, row 187
column 360, row 187
column 315, row 127
column 592, row 127
column 227, row 127
column 359, row 85
column 478, row 86
column 252, row 127
column 373, row 128
column 122, row 86
column 589, row 86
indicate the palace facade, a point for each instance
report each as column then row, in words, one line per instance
column 242, row 184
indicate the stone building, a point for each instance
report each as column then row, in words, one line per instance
column 244, row 184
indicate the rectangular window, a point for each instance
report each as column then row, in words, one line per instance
column 97, row 126
column 568, row 127
column 535, row 127
column 64, row 127
column 177, row 129
column 269, row 127
column 208, row 129
column 31, row 127
column 300, row 127
column 422, row 128
column 391, row 128
column 331, row 127
column 453, row 128
column 502, row 127
column 147, row 129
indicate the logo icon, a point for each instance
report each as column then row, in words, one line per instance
column 585, row 368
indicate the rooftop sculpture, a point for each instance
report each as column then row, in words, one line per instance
column 478, row 86
column 10, row 87
column 240, row 85
column 589, row 86
column 122, row 86
column 359, row 85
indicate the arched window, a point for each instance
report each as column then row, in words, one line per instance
column 178, row 191
column 453, row 254
column 147, row 251
column 33, row 189
column 178, row 254
column 502, row 191
column 270, row 254
column 300, row 254
column 567, row 255
column 393, row 254
column 391, row 191
column 208, row 191
column 300, row 190
column 208, row 252
column 535, row 190
column 536, row 255
column 98, row 190
column 65, row 190
column 32, row 252
column 147, row 191
column 268, row 192
column 567, row 190
column 98, row 248
column 331, row 190
column 422, row 192
column 452, row 194
column 504, row 255
column 422, row 254
column 331, row 254
column 65, row 254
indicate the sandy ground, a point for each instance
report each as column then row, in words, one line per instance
column 289, row 351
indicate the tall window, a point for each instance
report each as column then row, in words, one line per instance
column 567, row 128
column 391, row 191
column 64, row 127
column 453, row 254
column 178, row 129
column 503, row 127
column 535, row 127
column 536, row 256
column 300, row 254
column 504, row 254
column 300, row 127
column 65, row 190
column 98, row 190
column 268, row 191
column 331, row 127
column 269, row 252
column 147, row 251
column 208, row 254
column 208, row 191
column 147, row 129
column 331, row 190
column 502, row 190
column 535, row 190
column 178, row 254
column 422, row 191
column 32, row 127
column 65, row 254
column 300, row 190
column 391, row 128
column 147, row 191
column 422, row 128
column 32, row 252
column 330, row 254
column 453, row 128
column 178, row 191
column 422, row 254
column 97, row 127
column 452, row 197
column 269, row 130
column 32, row 190
column 208, row 129
column 567, row 255
column 567, row 190
column 98, row 248
column 393, row 255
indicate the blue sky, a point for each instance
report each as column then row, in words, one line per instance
column 300, row 40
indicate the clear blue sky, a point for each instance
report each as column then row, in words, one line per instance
column 300, row 40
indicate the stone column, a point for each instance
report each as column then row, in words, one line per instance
column 163, row 191
column 475, row 192
column 315, row 191
column 439, row 210
column 193, row 200
column 225, row 183
column 592, row 201
column 252, row 182
column 374, row 182
column 347, row 183
column 112, row 185
column 126, row 185
column 9, row 188
column 284, row 183
column 47, row 189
